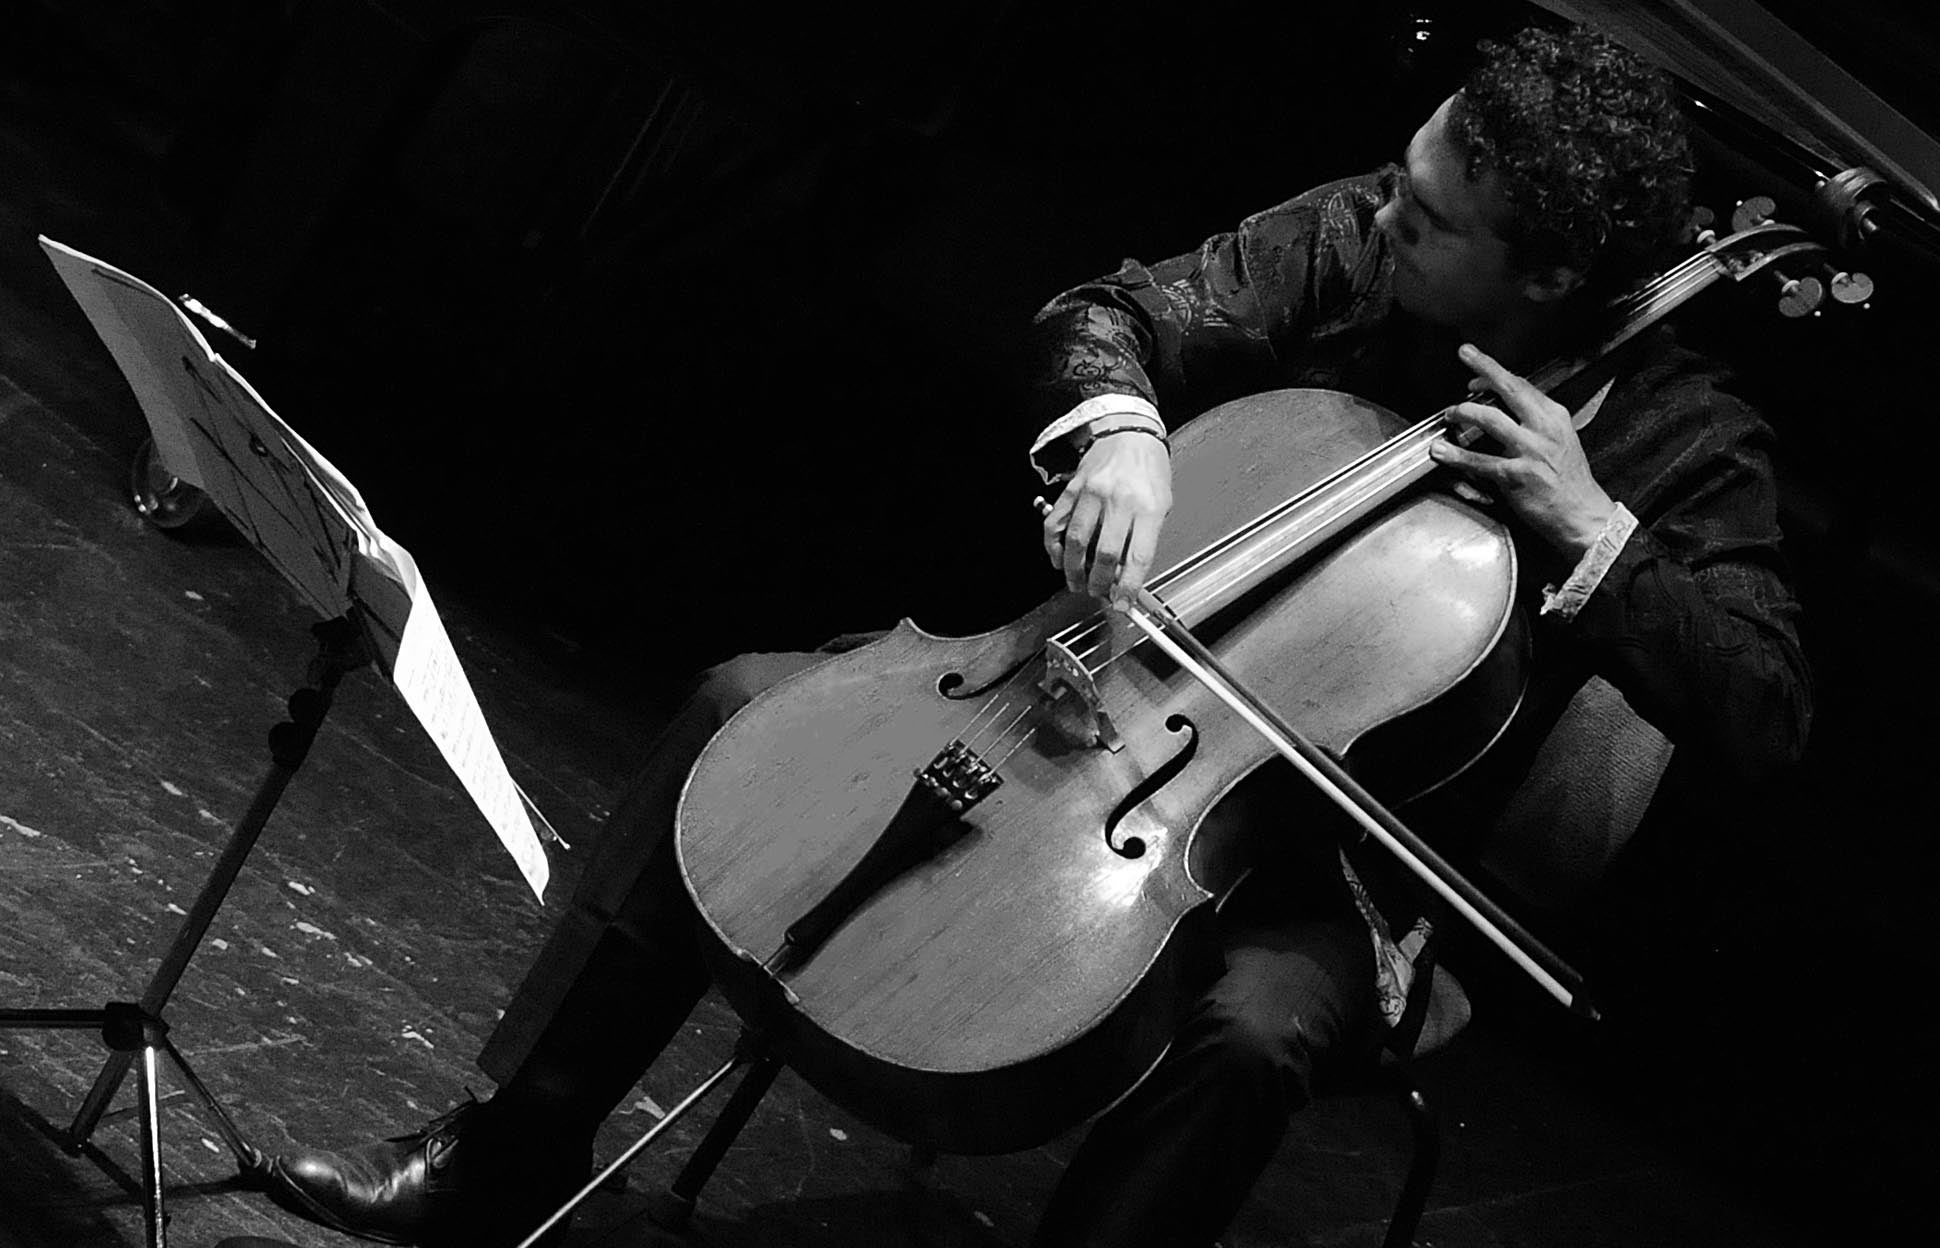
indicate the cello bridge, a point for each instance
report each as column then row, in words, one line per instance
column 1070, row 689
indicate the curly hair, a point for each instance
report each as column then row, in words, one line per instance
column 1588, row 146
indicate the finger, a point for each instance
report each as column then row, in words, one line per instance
column 1078, row 535
column 1055, row 521
column 1108, row 552
column 1529, row 405
column 1513, row 389
column 1138, row 561
column 1493, row 421
column 1491, row 468
column 1486, row 367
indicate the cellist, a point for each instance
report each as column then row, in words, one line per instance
column 1649, row 548
column 1647, row 543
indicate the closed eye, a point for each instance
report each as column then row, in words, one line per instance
column 1400, row 186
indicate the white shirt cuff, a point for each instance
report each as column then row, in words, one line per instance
column 1133, row 409
column 1565, row 600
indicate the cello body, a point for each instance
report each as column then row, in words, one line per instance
column 1026, row 973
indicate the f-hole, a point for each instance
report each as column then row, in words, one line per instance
column 1134, row 846
column 956, row 686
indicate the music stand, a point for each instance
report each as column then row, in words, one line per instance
column 214, row 432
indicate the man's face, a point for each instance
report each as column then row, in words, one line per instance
column 1450, row 266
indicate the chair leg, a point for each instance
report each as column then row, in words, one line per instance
column 1421, row 1168
column 673, row 1208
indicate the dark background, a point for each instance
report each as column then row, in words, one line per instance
column 669, row 330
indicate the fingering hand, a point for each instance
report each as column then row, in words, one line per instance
column 1540, row 471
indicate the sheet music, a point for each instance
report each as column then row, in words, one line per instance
column 214, row 431
column 435, row 688
column 198, row 410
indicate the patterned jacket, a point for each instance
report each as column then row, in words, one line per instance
column 1694, row 622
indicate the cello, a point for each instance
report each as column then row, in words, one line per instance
column 951, row 880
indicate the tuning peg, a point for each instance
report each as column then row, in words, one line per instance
column 1799, row 296
column 1850, row 287
column 1752, row 212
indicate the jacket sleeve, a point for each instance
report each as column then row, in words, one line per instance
column 1695, row 622
column 1194, row 330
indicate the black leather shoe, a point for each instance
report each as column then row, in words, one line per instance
column 467, row 1178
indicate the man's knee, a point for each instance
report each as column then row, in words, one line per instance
column 1254, row 1053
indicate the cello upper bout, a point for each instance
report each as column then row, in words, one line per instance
column 1236, row 461
column 1400, row 642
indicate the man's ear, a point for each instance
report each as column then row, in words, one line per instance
column 1551, row 283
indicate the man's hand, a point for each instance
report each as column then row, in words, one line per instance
column 1541, row 472
column 1103, row 529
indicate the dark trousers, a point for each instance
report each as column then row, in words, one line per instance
column 1172, row 1162
column 622, row 960
column 1169, row 1165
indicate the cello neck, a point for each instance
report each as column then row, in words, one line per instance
column 1225, row 571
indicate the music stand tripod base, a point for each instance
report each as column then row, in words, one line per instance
column 136, row 1032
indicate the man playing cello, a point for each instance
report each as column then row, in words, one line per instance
column 1649, row 547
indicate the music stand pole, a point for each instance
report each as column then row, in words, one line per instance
column 136, row 1032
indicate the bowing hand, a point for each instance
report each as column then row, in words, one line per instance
column 1539, row 469
column 1104, row 528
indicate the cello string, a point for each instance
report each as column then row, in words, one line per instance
column 1014, row 721
column 991, row 703
column 1653, row 300
column 1087, row 637
column 1669, row 288
column 1414, row 438
column 1399, row 445
column 1096, row 630
column 1016, row 746
column 996, row 697
column 995, row 705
